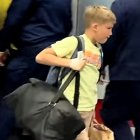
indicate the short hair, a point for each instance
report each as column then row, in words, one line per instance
column 99, row 14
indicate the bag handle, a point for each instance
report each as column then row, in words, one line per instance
column 63, row 87
column 80, row 47
column 76, row 92
column 99, row 126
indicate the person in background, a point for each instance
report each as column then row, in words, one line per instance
column 30, row 26
column 99, row 22
column 121, row 52
column 9, row 120
column 4, row 5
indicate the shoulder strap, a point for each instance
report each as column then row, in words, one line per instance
column 62, row 88
column 56, row 74
column 77, row 91
column 80, row 47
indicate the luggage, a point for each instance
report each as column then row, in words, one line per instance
column 44, row 111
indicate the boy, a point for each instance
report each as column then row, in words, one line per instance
column 99, row 22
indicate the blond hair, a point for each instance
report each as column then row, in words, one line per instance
column 99, row 14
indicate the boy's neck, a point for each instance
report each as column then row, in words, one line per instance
column 90, row 37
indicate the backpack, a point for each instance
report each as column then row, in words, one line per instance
column 56, row 74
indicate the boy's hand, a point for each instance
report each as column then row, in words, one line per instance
column 77, row 64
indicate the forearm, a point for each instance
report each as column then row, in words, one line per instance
column 51, row 60
column 49, row 57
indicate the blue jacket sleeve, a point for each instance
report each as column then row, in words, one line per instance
column 17, row 14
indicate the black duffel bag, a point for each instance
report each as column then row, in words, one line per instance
column 44, row 111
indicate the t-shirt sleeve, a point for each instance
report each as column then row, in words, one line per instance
column 65, row 47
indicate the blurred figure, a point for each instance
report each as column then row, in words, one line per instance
column 9, row 120
column 121, row 53
column 4, row 5
column 31, row 25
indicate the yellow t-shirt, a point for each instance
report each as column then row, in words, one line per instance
column 4, row 5
column 88, row 75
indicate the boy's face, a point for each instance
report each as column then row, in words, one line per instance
column 103, row 32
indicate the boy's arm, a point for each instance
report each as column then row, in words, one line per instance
column 49, row 57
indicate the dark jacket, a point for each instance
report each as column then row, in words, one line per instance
column 122, row 50
column 36, row 23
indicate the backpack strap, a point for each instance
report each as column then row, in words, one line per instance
column 76, row 74
column 80, row 47
column 77, row 90
column 63, row 87
column 56, row 74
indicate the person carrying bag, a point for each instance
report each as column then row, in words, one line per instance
column 44, row 111
column 99, row 22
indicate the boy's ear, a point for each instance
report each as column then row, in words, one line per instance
column 94, row 26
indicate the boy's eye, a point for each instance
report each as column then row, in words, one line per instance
column 109, row 28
